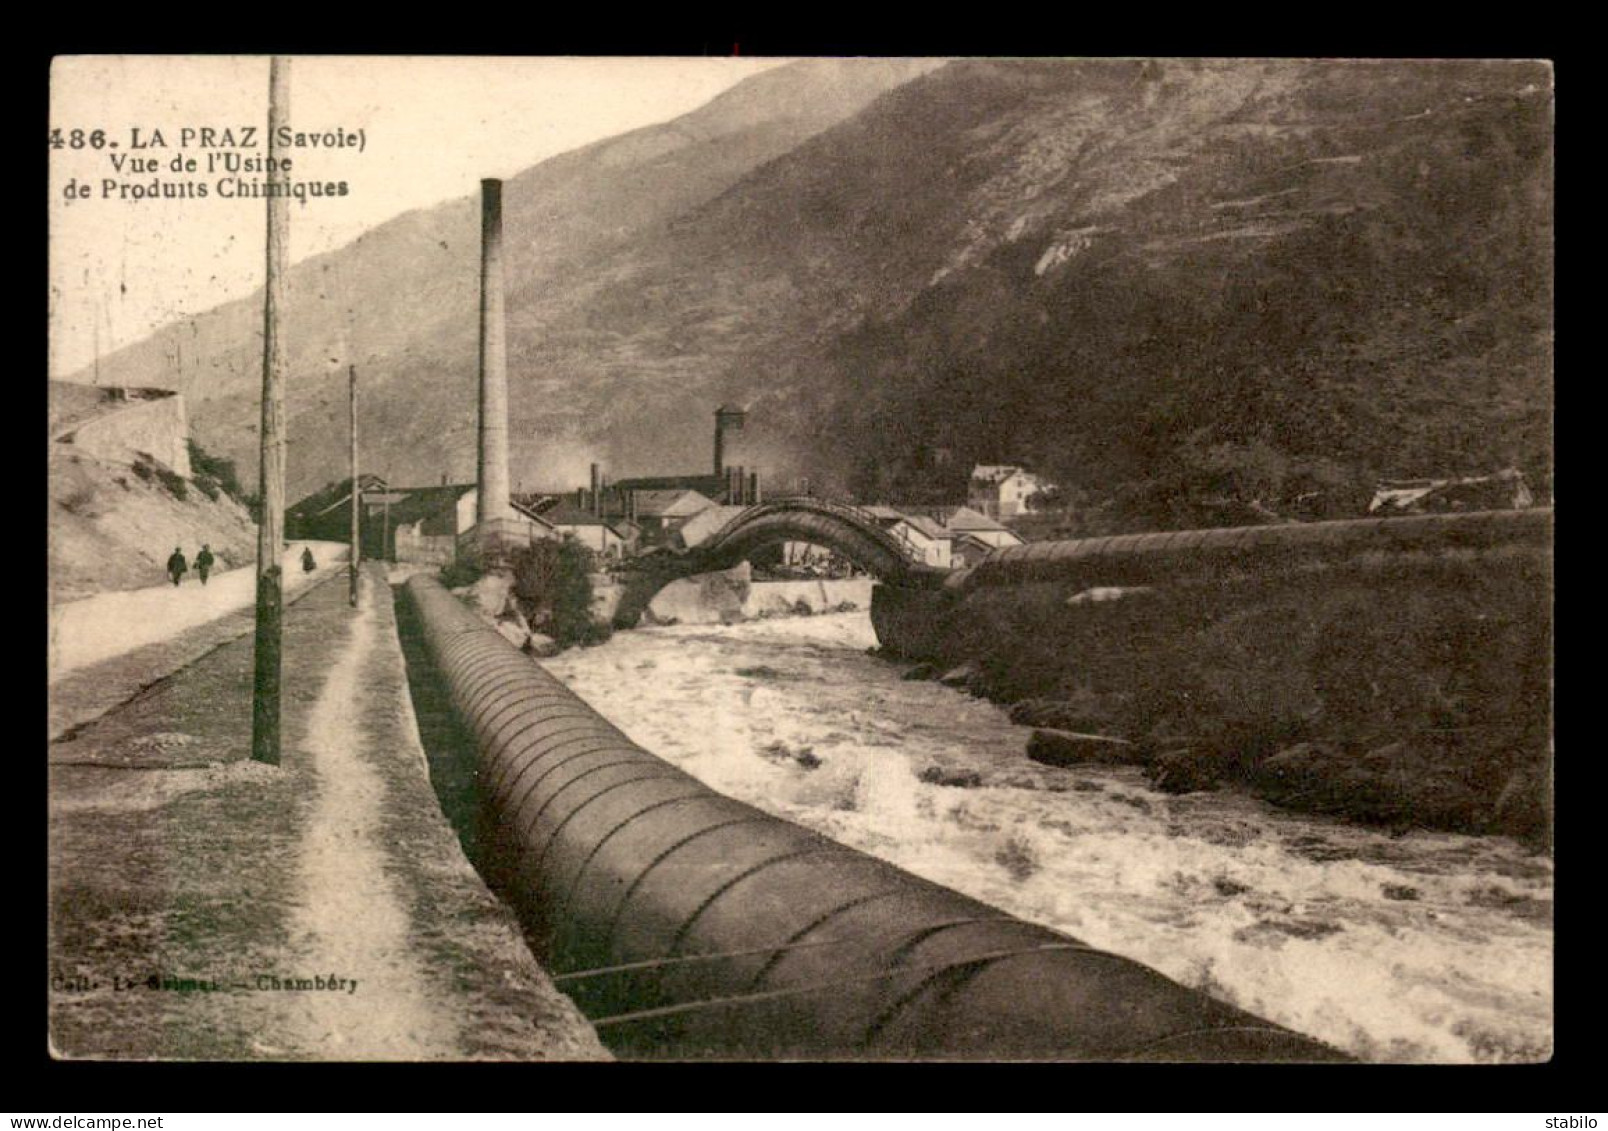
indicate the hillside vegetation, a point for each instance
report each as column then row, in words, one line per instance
column 113, row 526
column 1165, row 284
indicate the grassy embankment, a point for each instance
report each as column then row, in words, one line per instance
column 176, row 858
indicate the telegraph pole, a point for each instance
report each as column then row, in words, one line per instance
column 357, row 544
column 265, row 715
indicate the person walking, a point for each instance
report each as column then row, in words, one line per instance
column 177, row 566
column 203, row 562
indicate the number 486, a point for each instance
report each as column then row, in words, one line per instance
column 77, row 139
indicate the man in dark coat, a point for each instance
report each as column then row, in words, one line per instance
column 203, row 562
column 308, row 565
column 177, row 567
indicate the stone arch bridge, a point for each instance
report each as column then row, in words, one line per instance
column 842, row 528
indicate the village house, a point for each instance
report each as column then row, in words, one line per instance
column 419, row 524
column 967, row 550
column 326, row 514
column 403, row 524
column 662, row 514
column 702, row 526
column 927, row 540
column 966, row 521
column 924, row 538
column 610, row 537
column 1001, row 490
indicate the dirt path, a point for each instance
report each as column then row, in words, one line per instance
column 350, row 922
column 197, row 898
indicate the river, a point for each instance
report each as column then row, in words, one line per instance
column 1420, row 947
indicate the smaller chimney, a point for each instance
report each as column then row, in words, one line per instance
column 631, row 505
column 443, row 479
column 753, row 488
column 580, row 498
column 595, row 479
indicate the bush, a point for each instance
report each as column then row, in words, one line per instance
column 214, row 473
column 147, row 467
column 465, row 570
column 79, row 501
column 553, row 586
column 173, row 482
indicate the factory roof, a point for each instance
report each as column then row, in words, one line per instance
column 671, row 503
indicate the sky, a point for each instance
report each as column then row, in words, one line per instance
column 122, row 263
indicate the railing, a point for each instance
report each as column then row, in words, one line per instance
column 814, row 504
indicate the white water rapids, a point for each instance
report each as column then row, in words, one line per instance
column 1423, row 947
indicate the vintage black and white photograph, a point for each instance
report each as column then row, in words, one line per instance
column 741, row 558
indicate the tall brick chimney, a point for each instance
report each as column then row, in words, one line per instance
column 493, row 462
column 728, row 418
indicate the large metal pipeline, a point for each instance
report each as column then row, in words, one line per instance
column 688, row 925
column 1133, row 559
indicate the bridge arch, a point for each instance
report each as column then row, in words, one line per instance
column 844, row 529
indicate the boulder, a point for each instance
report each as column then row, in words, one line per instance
column 1066, row 748
column 1299, row 770
column 958, row 676
column 1185, row 769
column 541, row 646
column 512, row 633
column 1402, row 782
column 954, row 778
column 1524, row 804
column 1059, row 714
column 920, row 671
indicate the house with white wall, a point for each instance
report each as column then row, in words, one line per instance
column 1001, row 490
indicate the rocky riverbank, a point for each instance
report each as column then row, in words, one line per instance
column 1413, row 691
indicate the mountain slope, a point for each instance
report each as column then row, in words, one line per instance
column 406, row 292
column 1145, row 278
column 1160, row 282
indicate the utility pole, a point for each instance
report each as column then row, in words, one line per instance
column 265, row 715
column 357, row 543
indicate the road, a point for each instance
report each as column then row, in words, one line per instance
column 110, row 624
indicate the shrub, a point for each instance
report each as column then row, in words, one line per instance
column 553, row 586
column 173, row 482
column 78, row 501
column 213, row 473
column 466, row 569
column 148, row 467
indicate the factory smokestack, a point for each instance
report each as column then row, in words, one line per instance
column 597, row 493
column 493, row 466
column 753, row 488
column 728, row 418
